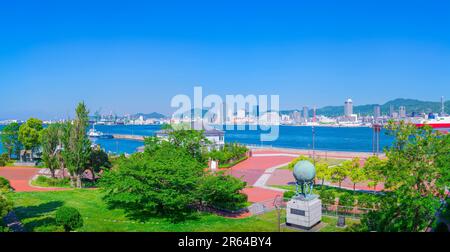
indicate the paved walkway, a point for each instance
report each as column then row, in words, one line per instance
column 260, row 171
column 256, row 170
column 20, row 177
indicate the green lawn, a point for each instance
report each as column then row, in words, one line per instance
column 36, row 211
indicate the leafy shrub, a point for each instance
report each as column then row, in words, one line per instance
column 51, row 182
column 69, row 218
column 367, row 200
column 231, row 153
column 6, row 204
column 4, row 184
column 328, row 197
column 222, row 192
column 288, row 194
column 2, row 162
column 346, row 199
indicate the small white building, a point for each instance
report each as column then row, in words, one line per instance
column 216, row 137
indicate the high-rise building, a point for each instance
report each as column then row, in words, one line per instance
column 376, row 111
column 402, row 112
column 305, row 113
column 442, row 106
column 296, row 116
column 348, row 107
column 391, row 111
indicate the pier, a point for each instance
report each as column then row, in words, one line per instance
column 129, row 137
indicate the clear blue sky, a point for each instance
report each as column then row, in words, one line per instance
column 134, row 56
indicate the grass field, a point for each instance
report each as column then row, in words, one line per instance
column 36, row 211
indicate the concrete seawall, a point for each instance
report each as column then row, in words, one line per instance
column 128, row 137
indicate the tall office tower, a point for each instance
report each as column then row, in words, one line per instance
column 402, row 112
column 305, row 113
column 348, row 107
column 391, row 111
column 376, row 111
column 442, row 106
column 296, row 115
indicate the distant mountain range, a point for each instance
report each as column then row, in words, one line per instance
column 411, row 105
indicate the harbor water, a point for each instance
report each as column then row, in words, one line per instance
column 358, row 139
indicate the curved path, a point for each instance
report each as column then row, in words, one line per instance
column 20, row 177
column 256, row 170
column 260, row 171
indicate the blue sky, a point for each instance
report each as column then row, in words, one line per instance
column 134, row 56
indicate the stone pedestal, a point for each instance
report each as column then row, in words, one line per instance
column 304, row 212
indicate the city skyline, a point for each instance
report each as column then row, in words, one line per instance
column 135, row 57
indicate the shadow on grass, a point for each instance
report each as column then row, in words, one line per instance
column 142, row 215
column 42, row 215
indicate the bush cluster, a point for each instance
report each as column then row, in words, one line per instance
column 231, row 152
column 69, row 218
column 51, row 182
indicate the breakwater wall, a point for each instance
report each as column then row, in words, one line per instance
column 128, row 137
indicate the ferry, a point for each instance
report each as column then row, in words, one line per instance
column 93, row 133
column 434, row 121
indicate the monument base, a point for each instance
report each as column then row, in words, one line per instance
column 303, row 212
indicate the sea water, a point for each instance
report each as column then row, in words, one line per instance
column 355, row 139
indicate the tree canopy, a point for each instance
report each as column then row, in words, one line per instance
column 30, row 133
column 415, row 177
column 10, row 139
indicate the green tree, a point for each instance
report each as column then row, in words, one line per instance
column 98, row 161
column 356, row 173
column 10, row 139
column 221, row 191
column 415, row 179
column 163, row 183
column 322, row 171
column 340, row 172
column 328, row 197
column 77, row 147
column 194, row 141
column 347, row 200
column 30, row 134
column 51, row 146
column 373, row 169
column 296, row 160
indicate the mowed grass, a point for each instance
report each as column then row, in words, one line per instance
column 36, row 210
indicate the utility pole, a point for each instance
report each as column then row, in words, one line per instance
column 314, row 136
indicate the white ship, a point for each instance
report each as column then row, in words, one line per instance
column 93, row 133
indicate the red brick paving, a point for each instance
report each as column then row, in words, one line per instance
column 252, row 168
column 281, row 177
column 256, row 194
column 19, row 178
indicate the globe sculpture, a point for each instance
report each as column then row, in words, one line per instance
column 304, row 174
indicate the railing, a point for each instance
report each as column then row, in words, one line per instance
column 327, row 210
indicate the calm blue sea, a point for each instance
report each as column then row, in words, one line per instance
column 327, row 138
